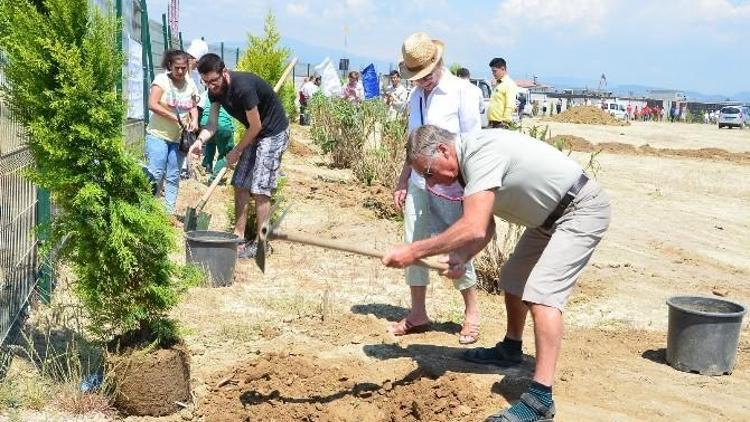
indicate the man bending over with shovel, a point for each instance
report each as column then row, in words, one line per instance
column 524, row 181
column 250, row 100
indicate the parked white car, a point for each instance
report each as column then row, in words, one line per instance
column 617, row 110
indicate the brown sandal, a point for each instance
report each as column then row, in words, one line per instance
column 469, row 333
column 404, row 327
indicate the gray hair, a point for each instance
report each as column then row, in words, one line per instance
column 425, row 140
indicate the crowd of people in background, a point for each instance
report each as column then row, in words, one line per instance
column 506, row 104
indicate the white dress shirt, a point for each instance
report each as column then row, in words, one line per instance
column 451, row 105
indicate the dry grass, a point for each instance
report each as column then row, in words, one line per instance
column 490, row 261
column 71, row 399
column 51, row 357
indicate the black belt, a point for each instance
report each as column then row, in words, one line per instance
column 565, row 201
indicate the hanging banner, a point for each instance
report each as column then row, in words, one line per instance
column 135, row 81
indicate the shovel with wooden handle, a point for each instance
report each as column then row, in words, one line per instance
column 271, row 231
column 195, row 218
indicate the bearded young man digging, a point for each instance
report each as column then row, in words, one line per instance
column 253, row 102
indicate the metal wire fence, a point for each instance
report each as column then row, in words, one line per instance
column 20, row 211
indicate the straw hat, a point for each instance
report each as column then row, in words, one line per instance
column 419, row 55
column 197, row 48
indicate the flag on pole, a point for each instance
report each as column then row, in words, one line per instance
column 330, row 84
column 370, row 82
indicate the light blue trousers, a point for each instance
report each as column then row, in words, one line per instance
column 426, row 215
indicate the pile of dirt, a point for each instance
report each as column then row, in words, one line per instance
column 282, row 387
column 587, row 115
column 576, row 143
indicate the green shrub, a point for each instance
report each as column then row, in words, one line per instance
column 62, row 69
column 360, row 136
column 267, row 59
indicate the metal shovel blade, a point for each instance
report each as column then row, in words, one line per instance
column 266, row 232
column 260, row 255
column 191, row 220
column 203, row 220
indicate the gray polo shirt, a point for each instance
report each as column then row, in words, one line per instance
column 529, row 177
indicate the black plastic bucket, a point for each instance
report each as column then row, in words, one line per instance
column 214, row 251
column 703, row 334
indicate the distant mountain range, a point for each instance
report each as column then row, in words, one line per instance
column 313, row 54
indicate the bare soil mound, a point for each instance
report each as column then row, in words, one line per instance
column 587, row 115
column 282, row 387
column 576, row 143
column 348, row 194
column 299, row 148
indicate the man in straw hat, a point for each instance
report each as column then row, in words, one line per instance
column 442, row 99
column 515, row 177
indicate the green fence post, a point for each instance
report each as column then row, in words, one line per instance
column 118, row 11
column 43, row 219
column 237, row 58
column 145, row 56
column 147, row 44
column 164, row 31
column 182, row 47
column 222, row 50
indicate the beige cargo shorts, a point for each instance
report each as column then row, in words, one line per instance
column 547, row 263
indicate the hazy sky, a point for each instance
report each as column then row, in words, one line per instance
column 701, row 45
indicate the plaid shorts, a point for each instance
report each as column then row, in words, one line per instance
column 258, row 167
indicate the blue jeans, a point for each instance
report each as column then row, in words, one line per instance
column 164, row 163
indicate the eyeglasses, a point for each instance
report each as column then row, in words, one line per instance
column 213, row 81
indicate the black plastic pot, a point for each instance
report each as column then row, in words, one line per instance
column 703, row 334
column 214, row 251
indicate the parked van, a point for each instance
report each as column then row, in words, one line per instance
column 733, row 116
column 617, row 110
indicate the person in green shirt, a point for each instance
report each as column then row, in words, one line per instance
column 222, row 141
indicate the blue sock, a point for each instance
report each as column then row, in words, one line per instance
column 541, row 392
column 526, row 414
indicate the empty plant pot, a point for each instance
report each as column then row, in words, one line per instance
column 215, row 252
column 703, row 334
